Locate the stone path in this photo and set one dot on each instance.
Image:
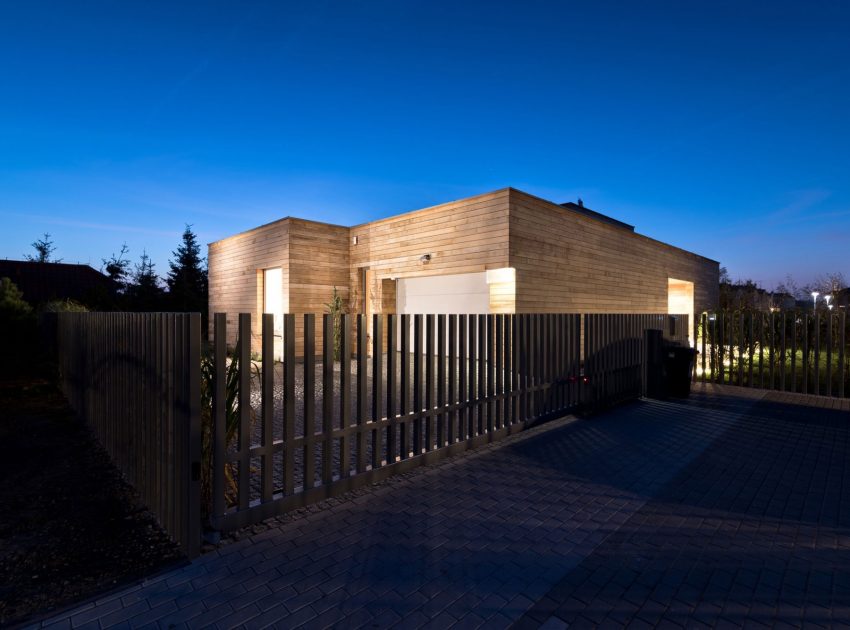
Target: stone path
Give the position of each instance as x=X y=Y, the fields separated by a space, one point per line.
x=729 y=509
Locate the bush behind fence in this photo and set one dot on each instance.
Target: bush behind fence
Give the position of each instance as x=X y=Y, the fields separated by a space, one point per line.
x=794 y=351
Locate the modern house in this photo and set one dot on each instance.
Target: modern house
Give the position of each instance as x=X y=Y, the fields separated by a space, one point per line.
x=500 y=252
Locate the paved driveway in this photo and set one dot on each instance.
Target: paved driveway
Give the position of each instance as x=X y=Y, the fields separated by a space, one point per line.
x=724 y=510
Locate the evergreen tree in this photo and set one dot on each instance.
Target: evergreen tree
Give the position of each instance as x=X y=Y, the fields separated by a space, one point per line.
x=44 y=249
x=144 y=292
x=118 y=268
x=187 y=278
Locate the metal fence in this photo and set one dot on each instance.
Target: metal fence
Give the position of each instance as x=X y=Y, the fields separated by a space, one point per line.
x=299 y=431
x=275 y=435
x=615 y=354
x=795 y=351
x=134 y=378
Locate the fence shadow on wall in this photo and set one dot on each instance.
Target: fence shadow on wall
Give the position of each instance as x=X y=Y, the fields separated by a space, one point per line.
x=134 y=378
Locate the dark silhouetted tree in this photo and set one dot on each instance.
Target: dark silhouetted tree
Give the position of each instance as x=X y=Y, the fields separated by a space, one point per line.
x=118 y=269
x=831 y=283
x=187 y=278
x=786 y=294
x=144 y=293
x=17 y=321
x=12 y=303
x=44 y=249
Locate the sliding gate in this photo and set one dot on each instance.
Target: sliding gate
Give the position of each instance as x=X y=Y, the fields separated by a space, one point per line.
x=403 y=392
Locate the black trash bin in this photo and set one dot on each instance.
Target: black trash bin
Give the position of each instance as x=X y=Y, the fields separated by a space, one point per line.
x=678 y=366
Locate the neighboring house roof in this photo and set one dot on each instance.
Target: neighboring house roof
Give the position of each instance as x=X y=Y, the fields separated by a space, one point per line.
x=41 y=282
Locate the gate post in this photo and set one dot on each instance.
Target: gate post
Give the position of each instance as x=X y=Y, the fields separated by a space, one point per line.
x=194 y=528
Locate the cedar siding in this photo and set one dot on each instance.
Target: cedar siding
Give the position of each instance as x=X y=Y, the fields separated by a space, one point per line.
x=565 y=261
x=236 y=278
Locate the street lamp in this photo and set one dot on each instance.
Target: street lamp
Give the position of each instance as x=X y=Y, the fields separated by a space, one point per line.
x=827 y=298
x=815 y=295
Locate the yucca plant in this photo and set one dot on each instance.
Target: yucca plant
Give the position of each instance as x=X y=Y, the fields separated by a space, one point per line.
x=335 y=308
x=231 y=424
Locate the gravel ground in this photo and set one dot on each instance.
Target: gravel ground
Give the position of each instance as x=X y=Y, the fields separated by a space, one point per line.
x=256 y=403
x=70 y=527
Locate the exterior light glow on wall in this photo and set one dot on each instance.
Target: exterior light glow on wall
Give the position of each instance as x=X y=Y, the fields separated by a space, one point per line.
x=502 y=285
x=501 y=276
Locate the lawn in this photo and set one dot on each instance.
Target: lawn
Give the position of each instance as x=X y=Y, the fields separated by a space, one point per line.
x=786 y=372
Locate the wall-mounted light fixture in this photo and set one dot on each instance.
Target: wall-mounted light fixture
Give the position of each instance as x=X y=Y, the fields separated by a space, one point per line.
x=425 y=258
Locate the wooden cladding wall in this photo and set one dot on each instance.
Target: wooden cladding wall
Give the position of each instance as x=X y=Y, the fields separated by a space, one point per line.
x=567 y=262
x=564 y=261
x=135 y=379
x=313 y=257
x=235 y=272
x=318 y=262
x=465 y=236
x=441 y=384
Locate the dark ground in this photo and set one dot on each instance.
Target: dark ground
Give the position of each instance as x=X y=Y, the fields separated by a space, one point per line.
x=727 y=510
x=70 y=527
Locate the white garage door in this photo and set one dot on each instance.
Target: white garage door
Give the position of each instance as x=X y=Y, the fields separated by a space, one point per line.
x=459 y=293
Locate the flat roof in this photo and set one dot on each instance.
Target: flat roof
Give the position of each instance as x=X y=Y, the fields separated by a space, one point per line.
x=568 y=206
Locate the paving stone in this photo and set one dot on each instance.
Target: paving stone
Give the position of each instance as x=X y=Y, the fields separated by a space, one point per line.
x=725 y=508
x=124 y=614
x=238 y=617
x=93 y=613
x=215 y=613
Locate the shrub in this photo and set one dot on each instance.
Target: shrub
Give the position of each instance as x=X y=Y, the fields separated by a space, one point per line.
x=64 y=306
x=18 y=326
x=12 y=303
x=231 y=425
x=336 y=309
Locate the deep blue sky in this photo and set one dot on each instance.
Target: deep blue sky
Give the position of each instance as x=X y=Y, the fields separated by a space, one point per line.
x=720 y=127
